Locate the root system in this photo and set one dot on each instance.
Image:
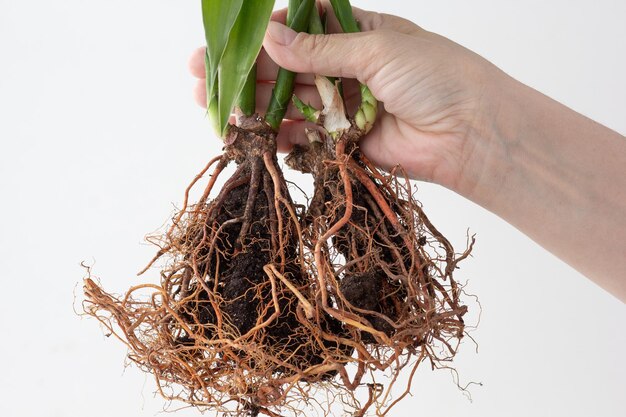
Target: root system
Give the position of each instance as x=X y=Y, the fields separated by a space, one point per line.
x=260 y=304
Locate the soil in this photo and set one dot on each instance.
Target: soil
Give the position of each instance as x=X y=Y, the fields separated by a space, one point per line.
x=213 y=332
x=370 y=291
x=245 y=288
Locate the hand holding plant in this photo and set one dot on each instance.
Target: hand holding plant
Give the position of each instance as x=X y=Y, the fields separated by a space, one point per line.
x=433 y=92
x=261 y=301
x=451 y=117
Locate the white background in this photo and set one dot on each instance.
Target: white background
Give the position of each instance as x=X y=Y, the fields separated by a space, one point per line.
x=99 y=137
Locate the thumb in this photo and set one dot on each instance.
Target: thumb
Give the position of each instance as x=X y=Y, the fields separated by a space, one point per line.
x=352 y=55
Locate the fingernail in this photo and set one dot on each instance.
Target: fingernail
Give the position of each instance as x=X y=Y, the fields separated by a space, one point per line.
x=280 y=33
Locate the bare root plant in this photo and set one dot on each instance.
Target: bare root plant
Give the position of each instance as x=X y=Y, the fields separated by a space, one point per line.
x=265 y=308
x=259 y=305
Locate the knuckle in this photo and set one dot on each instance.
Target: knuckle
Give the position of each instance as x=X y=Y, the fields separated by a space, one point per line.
x=317 y=43
x=377 y=20
x=313 y=49
x=382 y=47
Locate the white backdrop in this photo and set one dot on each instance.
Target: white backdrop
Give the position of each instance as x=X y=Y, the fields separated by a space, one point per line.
x=99 y=137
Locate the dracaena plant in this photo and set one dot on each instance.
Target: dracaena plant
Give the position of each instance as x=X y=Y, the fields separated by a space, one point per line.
x=262 y=304
x=234 y=33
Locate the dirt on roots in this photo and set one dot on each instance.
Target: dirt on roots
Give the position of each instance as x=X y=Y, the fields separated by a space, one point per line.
x=261 y=303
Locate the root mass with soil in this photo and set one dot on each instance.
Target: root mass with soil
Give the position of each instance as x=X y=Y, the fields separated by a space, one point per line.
x=262 y=304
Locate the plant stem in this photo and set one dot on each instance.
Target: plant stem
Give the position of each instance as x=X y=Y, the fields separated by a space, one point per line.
x=366 y=113
x=285 y=79
x=293 y=7
x=309 y=112
x=315 y=23
x=343 y=11
x=317 y=26
x=247 y=98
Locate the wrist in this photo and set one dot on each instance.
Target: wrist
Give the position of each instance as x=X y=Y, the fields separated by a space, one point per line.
x=555 y=175
x=491 y=138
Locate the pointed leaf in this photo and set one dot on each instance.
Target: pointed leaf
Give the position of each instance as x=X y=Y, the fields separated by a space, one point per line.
x=211 y=96
x=218 y=17
x=247 y=98
x=244 y=43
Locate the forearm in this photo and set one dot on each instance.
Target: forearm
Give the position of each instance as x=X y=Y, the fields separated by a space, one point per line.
x=560 y=178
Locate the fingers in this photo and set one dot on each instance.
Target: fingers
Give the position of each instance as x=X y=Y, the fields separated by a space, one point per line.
x=354 y=55
x=279 y=15
x=266 y=68
x=292 y=132
x=369 y=21
x=199 y=93
x=196 y=63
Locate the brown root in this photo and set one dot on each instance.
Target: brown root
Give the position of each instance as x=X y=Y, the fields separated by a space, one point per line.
x=260 y=306
x=230 y=326
x=382 y=268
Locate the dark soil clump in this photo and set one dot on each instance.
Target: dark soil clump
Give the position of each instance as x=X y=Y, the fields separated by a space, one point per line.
x=370 y=292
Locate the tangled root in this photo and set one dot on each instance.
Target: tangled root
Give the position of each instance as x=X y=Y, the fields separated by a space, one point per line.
x=382 y=268
x=260 y=306
x=229 y=322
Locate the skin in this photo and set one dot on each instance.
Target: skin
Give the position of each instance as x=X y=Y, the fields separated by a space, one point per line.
x=449 y=116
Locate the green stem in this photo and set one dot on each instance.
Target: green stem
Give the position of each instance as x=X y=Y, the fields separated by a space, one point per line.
x=366 y=113
x=292 y=9
x=315 y=23
x=247 y=99
x=309 y=112
x=343 y=11
x=317 y=26
x=285 y=80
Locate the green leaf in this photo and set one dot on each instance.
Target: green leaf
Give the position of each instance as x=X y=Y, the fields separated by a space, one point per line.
x=218 y=17
x=243 y=46
x=247 y=98
x=211 y=94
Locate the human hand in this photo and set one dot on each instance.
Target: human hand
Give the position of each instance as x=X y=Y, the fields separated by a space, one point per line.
x=435 y=95
x=451 y=117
